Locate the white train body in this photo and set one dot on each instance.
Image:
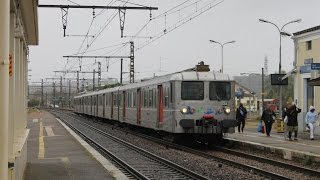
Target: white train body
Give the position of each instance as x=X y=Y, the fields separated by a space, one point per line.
x=185 y=102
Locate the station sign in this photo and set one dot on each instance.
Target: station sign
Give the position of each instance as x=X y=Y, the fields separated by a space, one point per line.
x=315 y=66
x=276 y=79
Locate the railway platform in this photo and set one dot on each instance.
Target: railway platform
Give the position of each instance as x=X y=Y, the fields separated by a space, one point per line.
x=302 y=149
x=56 y=152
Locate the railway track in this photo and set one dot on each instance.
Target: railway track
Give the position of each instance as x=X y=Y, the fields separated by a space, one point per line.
x=257 y=170
x=136 y=162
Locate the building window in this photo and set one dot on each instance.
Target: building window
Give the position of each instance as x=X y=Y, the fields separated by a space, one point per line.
x=309 y=45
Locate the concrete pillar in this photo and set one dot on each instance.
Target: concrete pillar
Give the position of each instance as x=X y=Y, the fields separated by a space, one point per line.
x=20 y=89
x=12 y=103
x=4 y=86
x=25 y=97
x=17 y=86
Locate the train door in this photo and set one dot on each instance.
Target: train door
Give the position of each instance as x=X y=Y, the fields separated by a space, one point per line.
x=124 y=106
x=112 y=104
x=139 y=103
x=160 y=105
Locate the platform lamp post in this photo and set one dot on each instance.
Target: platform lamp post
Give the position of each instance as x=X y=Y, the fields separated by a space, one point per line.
x=222 y=45
x=281 y=33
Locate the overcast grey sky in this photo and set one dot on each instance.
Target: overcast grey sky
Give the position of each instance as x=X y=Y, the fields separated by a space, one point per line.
x=180 y=49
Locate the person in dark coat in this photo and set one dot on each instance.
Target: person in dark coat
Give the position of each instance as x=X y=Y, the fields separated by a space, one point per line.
x=268 y=117
x=292 y=114
x=241 y=116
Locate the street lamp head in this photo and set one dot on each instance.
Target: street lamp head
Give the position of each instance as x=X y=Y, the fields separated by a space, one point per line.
x=283 y=33
x=262 y=20
x=232 y=41
x=213 y=41
x=297 y=20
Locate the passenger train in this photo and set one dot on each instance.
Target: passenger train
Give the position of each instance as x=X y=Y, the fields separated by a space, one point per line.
x=194 y=104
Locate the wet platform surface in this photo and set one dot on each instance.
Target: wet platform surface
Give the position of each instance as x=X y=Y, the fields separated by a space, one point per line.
x=53 y=153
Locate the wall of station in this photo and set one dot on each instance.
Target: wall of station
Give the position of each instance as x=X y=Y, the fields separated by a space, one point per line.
x=18 y=30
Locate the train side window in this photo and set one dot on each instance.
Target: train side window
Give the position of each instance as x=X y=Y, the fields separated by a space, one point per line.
x=166 y=97
x=171 y=92
x=145 y=94
x=115 y=99
x=127 y=99
x=131 y=94
x=154 y=98
x=150 y=98
x=120 y=100
x=134 y=99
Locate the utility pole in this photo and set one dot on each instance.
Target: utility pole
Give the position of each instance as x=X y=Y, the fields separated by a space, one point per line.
x=131 y=62
x=69 y=93
x=99 y=74
x=121 y=71
x=262 y=94
x=46 y=99
x=54 y=95
x=93 y=80
x=41 y=92
x=78 y=82
x=61 y=93
x=121 y=9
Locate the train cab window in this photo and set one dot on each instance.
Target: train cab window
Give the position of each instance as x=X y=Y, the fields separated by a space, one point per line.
x=220 y=91
x=192 y=90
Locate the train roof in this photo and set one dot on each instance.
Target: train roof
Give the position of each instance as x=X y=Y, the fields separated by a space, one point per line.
x=179 y=76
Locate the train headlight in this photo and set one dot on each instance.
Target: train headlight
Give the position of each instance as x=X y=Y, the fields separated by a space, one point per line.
x=227 y=110
x=184 y=110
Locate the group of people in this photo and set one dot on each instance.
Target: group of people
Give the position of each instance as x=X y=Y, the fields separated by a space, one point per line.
x=289 y=115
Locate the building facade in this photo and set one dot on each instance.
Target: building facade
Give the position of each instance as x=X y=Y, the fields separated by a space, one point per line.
x=306 y=79
x=18 y=30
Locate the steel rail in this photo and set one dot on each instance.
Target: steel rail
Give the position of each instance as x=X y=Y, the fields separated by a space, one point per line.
x=152 y=156
x=271 y=161
x=234 y=163
x=208 y=156
x=113 y=157
x=222 y=160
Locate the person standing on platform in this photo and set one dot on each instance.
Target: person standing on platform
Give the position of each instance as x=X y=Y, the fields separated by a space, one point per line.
x=311 y=119
x=268 y=117
x=241 y=117
x=292 y=114
x=285 y=121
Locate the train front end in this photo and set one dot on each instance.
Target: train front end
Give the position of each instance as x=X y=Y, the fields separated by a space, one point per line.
x=206 y=106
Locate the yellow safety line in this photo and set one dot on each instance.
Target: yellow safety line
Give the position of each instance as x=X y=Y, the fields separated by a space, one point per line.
x=41 y=142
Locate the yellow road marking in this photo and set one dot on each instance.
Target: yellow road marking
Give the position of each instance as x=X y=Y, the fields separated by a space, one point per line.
x=41 y=142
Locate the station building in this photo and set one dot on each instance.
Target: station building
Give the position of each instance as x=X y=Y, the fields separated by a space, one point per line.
x=306 y=80
x=18 y=30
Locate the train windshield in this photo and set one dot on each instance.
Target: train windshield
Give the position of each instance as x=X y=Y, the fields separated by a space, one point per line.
x=220 y=91
x=192 y=90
